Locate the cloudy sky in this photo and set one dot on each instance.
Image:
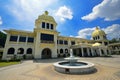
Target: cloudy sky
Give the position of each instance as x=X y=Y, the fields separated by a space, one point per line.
x=76 y=18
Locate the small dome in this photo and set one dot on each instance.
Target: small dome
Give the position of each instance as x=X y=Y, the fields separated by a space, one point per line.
x=46 y=17
x=98 y=32
x=96 y=44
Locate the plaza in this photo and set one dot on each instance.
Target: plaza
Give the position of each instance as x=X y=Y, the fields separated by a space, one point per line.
x=108 y=68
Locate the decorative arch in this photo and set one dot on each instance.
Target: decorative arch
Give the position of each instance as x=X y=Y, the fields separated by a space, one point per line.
x=66 y=50
x=46 y=53
x=20 y=51
x=11 y=51
x=61 y=50
x=29 y=51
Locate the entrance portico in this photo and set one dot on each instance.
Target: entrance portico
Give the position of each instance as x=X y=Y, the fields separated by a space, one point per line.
x=87 y=50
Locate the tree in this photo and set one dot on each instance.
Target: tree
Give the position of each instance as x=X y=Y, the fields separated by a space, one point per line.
x=2 y=39
x=114 y=40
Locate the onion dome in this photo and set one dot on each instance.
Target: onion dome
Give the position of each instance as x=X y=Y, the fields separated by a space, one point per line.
x=98 y=32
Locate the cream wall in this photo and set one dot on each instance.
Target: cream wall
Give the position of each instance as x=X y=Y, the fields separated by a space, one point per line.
x=16 y=46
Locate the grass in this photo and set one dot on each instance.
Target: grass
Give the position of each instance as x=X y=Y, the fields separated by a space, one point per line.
x=3 y=64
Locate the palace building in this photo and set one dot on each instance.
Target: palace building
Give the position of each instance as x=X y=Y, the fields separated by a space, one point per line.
x=45 y=42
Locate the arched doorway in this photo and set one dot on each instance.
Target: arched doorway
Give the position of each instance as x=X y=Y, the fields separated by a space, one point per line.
x=61 y=50
x=46 y=53
x=102 y=52
x=62 y=53
x=29 y=51
x=66 y=50
x=20 y=51
x=11 y=51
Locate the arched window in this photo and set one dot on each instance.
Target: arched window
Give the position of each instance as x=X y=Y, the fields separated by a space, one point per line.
x=11 y=51
x=61 y=50
x=66 y=50
x=29 y=51
x=96 y=37
x=20 y=51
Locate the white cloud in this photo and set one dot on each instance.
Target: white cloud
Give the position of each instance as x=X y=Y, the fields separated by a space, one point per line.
x=28 y=10
x=107 y=9
x=112 y=31
x=84 y=33
x=1 y=21
x=64 y=13
x=71 y=36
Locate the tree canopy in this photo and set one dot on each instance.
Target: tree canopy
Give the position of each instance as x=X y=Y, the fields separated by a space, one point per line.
x=2 y=39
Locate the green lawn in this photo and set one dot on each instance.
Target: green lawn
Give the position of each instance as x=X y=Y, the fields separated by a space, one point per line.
x=2 y=64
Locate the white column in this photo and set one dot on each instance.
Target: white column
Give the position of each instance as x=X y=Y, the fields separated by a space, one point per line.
x=54 y=54
x=109 y=52
x=24 y=51
x=40 y=25
x=69 y=42
x=18 y=38
x=82 y=51
x=50 y=26
x=100 y=52
x=5 y=48
x=88 y=52
x=26 y=40
x=103 y=43
x=92 y=52
x=16 y=50
x=37 y=43
x=105 y=51
x=45 y=25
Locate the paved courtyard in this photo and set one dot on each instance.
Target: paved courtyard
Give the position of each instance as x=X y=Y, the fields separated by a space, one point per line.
x=108 y=68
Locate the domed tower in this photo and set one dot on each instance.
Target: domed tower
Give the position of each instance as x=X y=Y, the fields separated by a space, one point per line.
x=99 y=36
x=45 y=21
x=45 y=36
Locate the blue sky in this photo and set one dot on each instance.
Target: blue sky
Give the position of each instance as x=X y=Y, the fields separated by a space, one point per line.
x=76 y=18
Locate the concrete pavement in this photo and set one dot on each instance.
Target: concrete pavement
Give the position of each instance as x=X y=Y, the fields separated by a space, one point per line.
x=107 y=69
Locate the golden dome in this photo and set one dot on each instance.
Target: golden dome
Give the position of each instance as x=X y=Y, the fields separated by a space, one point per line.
x=96 y=44
x=98 y=32
x=46 y=17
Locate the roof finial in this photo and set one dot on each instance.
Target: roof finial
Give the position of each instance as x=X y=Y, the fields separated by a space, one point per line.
x=46 y=12
x=97 y=28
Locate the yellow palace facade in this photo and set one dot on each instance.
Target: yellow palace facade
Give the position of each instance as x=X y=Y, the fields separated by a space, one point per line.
x=45 y=42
